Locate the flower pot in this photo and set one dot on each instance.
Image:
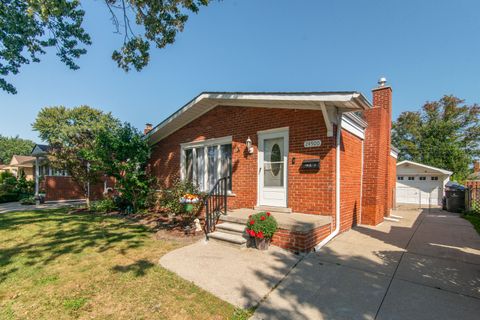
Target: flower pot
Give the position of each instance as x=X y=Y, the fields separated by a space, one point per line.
x=262 y=244
x=188 y=207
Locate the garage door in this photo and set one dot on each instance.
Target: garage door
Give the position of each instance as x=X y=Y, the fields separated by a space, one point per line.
x=426 y=192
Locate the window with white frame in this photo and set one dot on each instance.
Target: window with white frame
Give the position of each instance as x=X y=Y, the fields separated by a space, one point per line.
x=411 y=178
x=422 y=178
x=205 y=162
x=399 y=178
x=434 y=178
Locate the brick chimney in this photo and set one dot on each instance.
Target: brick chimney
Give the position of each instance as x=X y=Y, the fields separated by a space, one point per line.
x=148 y=128
x=376 y=176
x=476 y=166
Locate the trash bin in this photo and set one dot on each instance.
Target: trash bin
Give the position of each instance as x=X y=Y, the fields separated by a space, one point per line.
x=455 y=200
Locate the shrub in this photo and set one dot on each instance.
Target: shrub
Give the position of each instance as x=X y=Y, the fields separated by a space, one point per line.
x=169 y=198
x=4 y=175
x=28 y=201
x=23 y=186
x=261 y=225
x=8 y=184
x=8 y=197
x=103 y=206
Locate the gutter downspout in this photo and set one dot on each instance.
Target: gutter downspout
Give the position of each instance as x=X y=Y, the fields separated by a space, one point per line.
x=337 y=186
x=361 y=181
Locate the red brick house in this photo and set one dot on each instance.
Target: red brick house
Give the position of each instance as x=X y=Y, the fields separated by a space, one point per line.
x=57 y=185
x=321 y=162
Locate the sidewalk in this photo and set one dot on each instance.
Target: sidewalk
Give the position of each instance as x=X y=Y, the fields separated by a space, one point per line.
x=16 y=206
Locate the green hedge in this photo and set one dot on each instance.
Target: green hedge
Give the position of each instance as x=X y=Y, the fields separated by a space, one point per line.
x=8 y=197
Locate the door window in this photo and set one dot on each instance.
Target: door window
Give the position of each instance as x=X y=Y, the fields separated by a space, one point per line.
x=273 y=162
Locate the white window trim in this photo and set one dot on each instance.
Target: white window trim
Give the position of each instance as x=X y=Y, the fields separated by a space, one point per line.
x=203 y=144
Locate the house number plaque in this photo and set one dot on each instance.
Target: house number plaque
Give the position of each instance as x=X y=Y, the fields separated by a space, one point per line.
x=312 y=143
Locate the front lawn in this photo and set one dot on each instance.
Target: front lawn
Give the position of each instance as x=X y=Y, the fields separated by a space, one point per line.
x=55 y=265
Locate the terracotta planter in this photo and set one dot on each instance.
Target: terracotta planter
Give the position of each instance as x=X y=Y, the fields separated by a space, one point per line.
x=262 y=244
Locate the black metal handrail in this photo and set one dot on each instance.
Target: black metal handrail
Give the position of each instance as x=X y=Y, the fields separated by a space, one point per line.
x=215 y=204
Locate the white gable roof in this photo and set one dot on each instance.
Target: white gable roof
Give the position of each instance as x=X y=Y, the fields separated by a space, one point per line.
x=345 y=100
x=424 y=166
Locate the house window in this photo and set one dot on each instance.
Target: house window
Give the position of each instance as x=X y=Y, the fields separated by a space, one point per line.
x=205 y=162
x=411 y=178
x=400 y=178
x=423 y=178
x=434 y=178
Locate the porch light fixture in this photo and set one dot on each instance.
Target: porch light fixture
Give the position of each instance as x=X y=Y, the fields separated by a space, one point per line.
x=249 y=145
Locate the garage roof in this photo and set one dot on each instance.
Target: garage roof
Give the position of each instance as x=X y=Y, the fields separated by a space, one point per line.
x=442 y=171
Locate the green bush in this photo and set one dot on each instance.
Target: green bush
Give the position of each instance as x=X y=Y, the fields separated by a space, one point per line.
x=262 y=225
x=4 y=175
x=8 y=184
x=103 y=206
x=23 y=186
x=28 y=200
x=168 y=199
x=8 y=197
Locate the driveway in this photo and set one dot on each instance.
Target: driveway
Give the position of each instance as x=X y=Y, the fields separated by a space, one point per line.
x=16 y=206
x=426 y=266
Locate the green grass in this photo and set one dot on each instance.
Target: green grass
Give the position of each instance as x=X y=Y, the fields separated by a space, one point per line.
x=474 y=219
x=74 y=303
x=59 y=265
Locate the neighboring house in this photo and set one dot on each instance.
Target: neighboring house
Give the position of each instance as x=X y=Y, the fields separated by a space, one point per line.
x=306 y=154
x=19 y=164
x=56 y=184
x=420 y=184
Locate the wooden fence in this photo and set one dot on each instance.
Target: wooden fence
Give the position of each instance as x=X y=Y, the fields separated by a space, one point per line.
x=472 y=199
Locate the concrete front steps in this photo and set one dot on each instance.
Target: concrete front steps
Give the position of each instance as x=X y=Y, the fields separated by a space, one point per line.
x=231 y=234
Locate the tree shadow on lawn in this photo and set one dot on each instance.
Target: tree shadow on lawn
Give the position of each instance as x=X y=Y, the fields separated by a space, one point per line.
x=138 y=268
x=41 y=237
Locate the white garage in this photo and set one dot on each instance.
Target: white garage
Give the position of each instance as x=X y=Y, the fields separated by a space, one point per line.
x=420 y=184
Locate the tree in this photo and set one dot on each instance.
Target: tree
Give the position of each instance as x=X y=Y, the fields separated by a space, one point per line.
x=14 y=145
x=28 y=27
x=123 y=154
x=71 y=134
x=444 y=134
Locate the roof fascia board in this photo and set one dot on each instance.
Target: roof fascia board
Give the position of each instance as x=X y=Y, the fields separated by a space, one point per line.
x=354 y=100
x=425 y=166
x=352 y=126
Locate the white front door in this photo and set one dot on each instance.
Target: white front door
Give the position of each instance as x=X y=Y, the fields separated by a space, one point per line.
x=272 y=168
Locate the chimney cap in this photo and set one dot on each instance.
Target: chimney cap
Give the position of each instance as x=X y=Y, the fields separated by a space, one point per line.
x=382 y=81
x=148 y=128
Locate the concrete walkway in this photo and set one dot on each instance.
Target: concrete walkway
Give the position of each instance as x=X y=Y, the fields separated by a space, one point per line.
x=240 y=276
x=427 y=266
x=16 y=206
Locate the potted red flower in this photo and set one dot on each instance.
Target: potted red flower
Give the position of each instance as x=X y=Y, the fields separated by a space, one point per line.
x=261 y=227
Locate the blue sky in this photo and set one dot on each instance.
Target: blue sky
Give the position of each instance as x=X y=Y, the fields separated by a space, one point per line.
x=425 y=48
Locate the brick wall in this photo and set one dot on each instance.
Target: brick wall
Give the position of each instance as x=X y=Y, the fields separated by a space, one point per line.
x=298 y=241
x=308 y=192
x=376 y=158
x=350 y=180
x=64 y=188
